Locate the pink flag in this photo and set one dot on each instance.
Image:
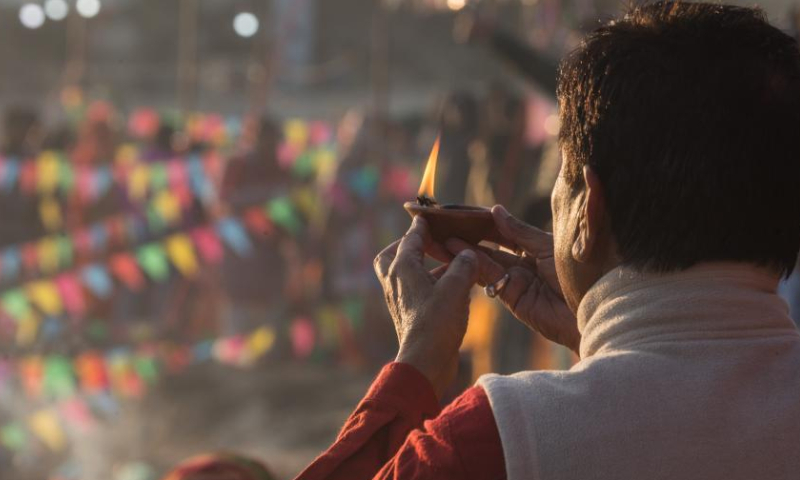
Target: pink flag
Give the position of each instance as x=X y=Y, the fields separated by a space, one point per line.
x=208 y=244
x=71 y=294
x=303 y=337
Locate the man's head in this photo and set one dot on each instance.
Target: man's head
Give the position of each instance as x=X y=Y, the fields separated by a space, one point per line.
x=680 y=131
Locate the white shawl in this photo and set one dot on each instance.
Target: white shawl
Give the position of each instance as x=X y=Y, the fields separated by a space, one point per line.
x=691 y=375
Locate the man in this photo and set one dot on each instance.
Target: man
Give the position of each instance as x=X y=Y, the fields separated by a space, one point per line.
x=675 y=214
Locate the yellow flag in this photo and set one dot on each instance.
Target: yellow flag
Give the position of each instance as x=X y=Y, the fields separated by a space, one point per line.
x=27 y=330
x=49 y=258
x=259 y=343
x=45 y=425
x=47 y=170
x=296 y=132
x=126 y=155
x=168 y=206
x=181 y=252
x=44 y=294
x=138 y=181
x=50 y=213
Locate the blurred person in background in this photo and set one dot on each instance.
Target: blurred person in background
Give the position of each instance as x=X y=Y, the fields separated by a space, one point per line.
x=21 y=141
x=669 y=240
x=254 y=286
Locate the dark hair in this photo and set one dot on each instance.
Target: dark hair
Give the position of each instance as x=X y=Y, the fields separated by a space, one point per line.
x=689 y=113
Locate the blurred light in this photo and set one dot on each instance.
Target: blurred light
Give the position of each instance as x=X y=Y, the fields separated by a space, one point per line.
x=88 y=8
x=245 y=24
x=56 y=9
x=552 y=124
x=456 y=5
x=31 y=15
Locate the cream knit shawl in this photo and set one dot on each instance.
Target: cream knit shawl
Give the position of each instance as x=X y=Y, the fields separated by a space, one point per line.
x=692 y=375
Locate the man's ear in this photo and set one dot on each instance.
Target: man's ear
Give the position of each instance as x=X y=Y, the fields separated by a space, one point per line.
x=591 y=217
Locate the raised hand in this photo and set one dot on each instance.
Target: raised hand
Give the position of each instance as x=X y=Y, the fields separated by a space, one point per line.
x=532 y=293
x=429 y=309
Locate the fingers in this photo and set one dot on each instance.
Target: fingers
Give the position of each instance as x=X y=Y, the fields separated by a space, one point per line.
x=520 y=234
x=439 y=271
x=489 y=271
x=384 y=260
x=411 y=251
x=461 y=275
x=520 y=279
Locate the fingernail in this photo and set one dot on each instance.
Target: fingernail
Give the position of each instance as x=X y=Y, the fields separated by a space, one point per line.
x=502 y=210
x=468 y=255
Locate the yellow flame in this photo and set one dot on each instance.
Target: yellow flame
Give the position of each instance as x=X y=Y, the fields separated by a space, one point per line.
x=429 y=177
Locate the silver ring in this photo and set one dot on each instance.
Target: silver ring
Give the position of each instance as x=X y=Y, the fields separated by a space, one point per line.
x=494 y=289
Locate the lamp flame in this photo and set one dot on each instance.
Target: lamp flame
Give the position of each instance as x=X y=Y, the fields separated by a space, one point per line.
x=428 y=178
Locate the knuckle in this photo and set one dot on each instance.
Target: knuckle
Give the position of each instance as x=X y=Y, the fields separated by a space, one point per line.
x=394 y=270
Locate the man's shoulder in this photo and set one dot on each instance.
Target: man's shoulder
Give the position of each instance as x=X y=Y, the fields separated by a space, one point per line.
x=586 y=378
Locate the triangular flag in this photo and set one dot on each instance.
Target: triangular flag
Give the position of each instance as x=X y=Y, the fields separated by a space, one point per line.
x=176 y=172
x=124 y=267
x=44 y=294
x=10 y=171
x=66 y=175
x=27 y=330
x=13 y=436
x=282 y=212
x=65 y=250
x=147 y=367
x=181 y=253
x=103 y=179
x=159 y=180
x=71 y=294
x=48 y=253
x=320 y=132
x=47 y=172
x=303 y=337
x=257 y=221
x=50 y=214
x=31 y=373
x=168 y=206
x=96 y=279
x=59 y=381
x=11 y=262
x=153 y=261
x=91 y=370
x=45 y=425
x=234 y=235
x=138 y=181
x=15 y=304
x=259 y=343
x=296 y=133
x=208 y=244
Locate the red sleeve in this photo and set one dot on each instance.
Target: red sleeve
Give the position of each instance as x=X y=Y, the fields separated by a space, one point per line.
x=387 y=437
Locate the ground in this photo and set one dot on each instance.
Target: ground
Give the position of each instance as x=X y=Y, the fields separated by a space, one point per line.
x=283 y=414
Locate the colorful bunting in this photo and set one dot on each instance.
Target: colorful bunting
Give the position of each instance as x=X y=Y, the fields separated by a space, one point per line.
x=45 y=425
x=153 y=261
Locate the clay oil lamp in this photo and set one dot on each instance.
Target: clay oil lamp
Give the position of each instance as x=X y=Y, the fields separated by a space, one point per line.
x=469 y=223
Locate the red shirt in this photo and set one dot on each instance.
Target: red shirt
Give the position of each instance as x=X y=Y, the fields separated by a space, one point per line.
x=398 y=431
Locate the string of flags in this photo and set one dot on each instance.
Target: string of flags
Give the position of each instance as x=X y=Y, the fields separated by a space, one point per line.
x=68 y=394
x=58 y=277
x=66 y=293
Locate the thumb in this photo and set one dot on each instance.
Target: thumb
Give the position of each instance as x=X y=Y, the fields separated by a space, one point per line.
x=461 y=274
x=523 y=235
